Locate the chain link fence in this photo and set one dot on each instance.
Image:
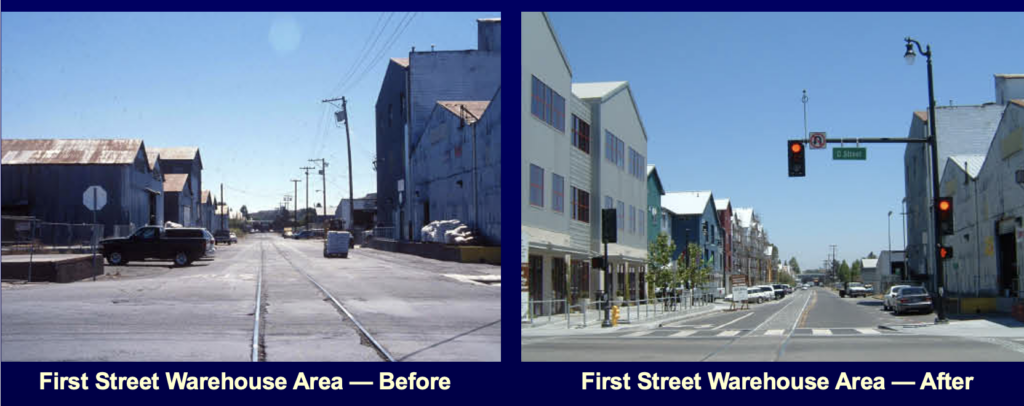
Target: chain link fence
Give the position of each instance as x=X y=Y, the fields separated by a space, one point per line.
x=22 y=239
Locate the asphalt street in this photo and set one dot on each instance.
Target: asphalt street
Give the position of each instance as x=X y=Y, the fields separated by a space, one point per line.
x=417 y=309
x=809 y=325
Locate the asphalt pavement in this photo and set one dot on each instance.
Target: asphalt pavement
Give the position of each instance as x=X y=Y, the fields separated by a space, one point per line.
x=416 y=309
x=809 y=325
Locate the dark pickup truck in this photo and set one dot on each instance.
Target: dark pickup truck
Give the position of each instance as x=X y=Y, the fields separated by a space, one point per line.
x=183 y=245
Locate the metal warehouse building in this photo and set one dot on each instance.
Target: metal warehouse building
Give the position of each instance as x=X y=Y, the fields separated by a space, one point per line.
x=46 y=178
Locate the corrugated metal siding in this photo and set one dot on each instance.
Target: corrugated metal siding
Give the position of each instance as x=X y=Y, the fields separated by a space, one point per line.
x=581 y=175
x=450 y=75
x=443 y=158
x=390 y=142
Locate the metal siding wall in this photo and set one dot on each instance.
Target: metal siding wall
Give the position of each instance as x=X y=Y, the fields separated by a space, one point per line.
x=450 y=75
x=390 y=143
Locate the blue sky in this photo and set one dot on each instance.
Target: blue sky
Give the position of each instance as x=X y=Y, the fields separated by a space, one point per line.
x=720 y=94
x=243 y=87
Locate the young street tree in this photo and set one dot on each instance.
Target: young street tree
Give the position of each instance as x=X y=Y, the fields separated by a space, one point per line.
x=844 y=272
x=793 y=265
x=693 y=271
x=659 y=263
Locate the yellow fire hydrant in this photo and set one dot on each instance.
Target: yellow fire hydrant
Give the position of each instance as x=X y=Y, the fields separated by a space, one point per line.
x=615 y=315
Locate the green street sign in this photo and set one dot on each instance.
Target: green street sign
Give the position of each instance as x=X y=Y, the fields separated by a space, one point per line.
x=850 y=154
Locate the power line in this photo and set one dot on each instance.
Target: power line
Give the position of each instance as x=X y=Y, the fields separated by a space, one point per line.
x=387 y=47
x=367 y=49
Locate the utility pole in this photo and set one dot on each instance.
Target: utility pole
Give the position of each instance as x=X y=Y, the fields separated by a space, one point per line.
x=343 y=115
x=306 y=214
x=295 y=213
x=223 y=208
x=323 y=176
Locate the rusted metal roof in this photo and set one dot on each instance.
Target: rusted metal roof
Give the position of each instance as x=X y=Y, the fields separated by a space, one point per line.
x=152 y=157
x=206 y=198
x=403 y=62
x=69 y=151
x=922 y=115
x=1018 y=102
x=175 y=182
x=176 y=153
x=476 y=108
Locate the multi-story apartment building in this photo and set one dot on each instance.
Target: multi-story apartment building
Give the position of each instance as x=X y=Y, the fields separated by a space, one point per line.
x=695 y=221
x=749 y=245
x=582 y=145
x=654 y=213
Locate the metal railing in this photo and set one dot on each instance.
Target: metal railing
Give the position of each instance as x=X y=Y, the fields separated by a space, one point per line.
x=630 y=311
x=384 y=233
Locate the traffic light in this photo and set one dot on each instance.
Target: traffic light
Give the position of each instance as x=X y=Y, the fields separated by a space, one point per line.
x=796 y=158
x=609 y=223
x=945 y=207
x=945 y=252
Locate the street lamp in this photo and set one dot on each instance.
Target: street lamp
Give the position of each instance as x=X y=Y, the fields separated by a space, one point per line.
x=889 y=224
x=909 y=56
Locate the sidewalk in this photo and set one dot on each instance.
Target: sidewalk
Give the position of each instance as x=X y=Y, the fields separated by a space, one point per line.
x=995 y=326
x=558 y=325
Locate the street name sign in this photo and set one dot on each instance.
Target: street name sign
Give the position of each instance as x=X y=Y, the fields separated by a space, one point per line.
x=817 y=140
x=94 y=198
x=849 y=154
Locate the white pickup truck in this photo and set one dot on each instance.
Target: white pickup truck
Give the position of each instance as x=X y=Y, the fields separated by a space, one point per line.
x=853 y=289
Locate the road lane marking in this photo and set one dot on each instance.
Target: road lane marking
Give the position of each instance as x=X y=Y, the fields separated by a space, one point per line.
x=737 y=319
x=639 y=333
x=684 y=333
x=868 y=331
x=774 y=332
x=728 y=333
x=821 y=332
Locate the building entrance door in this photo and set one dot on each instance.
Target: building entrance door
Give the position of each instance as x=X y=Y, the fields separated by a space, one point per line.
x=1007 y=265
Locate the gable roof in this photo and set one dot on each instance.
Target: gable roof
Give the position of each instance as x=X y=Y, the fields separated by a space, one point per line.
x=476 y=108
x=1018 y=102
x=744 y=216
x=687 y=203
x=70 y=151
x=179 y=154
x=205 y=199
x=722 y=204
x=175 y=182
x=964 y=130
x=403 y=62
x=969 y=163
x=603 y=91
x=651 y=171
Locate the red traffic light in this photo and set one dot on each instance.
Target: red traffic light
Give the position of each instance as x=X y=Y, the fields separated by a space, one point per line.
x=944 y=204
x=796 y=147
x=945 y=252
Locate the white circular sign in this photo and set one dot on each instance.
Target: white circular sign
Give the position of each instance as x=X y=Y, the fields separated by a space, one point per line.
x=817 y=140
x=94 y=198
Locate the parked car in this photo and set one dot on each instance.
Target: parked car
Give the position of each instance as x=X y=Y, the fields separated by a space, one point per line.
x=183 y=245
x=852 y=289
x=301 y=235
x=789 y=289
x=222 y=237
x=210 y=243
x=890 y=298
x=912 y=299
x=234 y=238
x=804 y=287
x=780 y=291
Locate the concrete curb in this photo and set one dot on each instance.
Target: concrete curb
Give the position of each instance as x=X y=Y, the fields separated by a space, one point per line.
x=576 y=330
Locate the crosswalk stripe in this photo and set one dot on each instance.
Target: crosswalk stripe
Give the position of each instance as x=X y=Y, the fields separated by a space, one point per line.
x=868 y=331
x=684 y=333
x=821 y=332
x=728 y=333
x=774 y=332
x=638 y=334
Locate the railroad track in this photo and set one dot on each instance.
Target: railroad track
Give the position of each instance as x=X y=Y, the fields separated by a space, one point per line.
x=258 y=353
